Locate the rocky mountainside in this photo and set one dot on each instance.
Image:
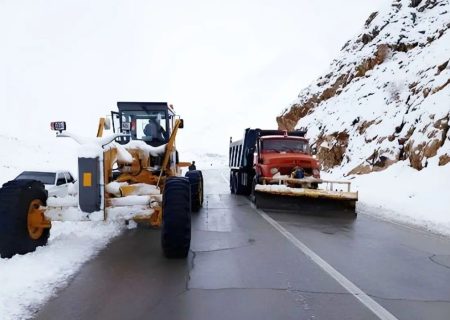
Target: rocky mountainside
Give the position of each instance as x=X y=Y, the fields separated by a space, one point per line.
x=387 y=96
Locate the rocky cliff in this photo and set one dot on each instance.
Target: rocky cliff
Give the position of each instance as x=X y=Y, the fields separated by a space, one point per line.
x=386 y=97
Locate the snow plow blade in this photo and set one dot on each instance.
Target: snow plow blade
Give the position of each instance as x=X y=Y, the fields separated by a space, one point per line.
x=307 y=201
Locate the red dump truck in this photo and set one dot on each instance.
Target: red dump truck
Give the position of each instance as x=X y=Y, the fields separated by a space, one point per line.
x=273 y=164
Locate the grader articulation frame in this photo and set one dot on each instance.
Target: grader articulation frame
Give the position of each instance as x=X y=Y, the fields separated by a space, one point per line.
x=137 y=177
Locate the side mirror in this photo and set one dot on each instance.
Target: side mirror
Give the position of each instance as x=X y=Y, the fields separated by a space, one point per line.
x=181 y=126
x=314 y=151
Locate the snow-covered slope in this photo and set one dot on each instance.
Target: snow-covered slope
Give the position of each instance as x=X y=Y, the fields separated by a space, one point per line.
x=386 y=96
x=385 y=105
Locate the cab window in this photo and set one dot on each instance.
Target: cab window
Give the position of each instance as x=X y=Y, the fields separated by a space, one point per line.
x=60 y=180
x=69 y=177
x=285 y=145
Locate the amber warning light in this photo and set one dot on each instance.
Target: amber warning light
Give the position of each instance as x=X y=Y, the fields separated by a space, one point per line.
x=58 y=126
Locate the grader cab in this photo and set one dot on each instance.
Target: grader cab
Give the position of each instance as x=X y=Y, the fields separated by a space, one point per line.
x=133 y=174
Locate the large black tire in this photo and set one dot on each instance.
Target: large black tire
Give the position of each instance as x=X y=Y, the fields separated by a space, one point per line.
x=232 y=183
x=176 y=224
x=196 y=181
x=15 y=199
x=239 y=188
x=253 y=192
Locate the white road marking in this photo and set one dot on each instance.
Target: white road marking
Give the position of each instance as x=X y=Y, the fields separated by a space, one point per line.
x=377 y=309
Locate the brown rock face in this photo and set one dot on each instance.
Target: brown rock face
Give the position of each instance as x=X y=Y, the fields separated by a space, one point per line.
x=369 y=64
x=361 y=169
x=444 y=159
x=364 y=126
x=289 y=120
x=369 y=20
x=331 y=149
x=417 y=154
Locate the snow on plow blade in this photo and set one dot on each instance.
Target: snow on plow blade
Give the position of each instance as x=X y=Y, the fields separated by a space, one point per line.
x=285 y=196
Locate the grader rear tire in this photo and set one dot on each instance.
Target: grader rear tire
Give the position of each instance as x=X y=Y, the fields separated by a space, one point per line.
x=18 y=200
x=196 y=181
x=176 y=224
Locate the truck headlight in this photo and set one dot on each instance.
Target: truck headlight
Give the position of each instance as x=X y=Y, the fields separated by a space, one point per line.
x=273 y=171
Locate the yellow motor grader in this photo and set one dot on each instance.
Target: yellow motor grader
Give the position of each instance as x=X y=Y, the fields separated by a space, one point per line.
x=132 y=175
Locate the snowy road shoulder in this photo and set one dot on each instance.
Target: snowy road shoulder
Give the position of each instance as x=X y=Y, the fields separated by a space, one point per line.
x=404 y=195
x=29 y=280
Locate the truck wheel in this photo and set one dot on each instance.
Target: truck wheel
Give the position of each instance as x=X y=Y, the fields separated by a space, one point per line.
x=252 y=193
x=239 y=188
x=20 y=201
x=196 y=181
x=232 y=183
x=176 y=219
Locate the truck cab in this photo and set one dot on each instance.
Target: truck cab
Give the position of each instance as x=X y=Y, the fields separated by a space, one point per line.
x=282 y=154
x=265 y=153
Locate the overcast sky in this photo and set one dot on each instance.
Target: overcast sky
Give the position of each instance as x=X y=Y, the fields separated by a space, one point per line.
x=225 y=65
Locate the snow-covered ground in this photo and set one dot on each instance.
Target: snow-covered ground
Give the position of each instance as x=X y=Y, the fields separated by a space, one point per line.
x=405 y=195
x=29 y=280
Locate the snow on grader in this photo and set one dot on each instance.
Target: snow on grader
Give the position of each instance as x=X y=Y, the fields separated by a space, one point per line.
x=132 y=175
x=277 y=170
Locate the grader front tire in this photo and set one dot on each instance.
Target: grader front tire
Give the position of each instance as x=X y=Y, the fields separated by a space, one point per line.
x=19 y=209
x=176 y=225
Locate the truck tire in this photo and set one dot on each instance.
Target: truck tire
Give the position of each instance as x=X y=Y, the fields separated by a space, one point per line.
x=176 y=219
x=240 y=188
x=17 y=199
x=232 y=183
x=196 y=181
x=253 y=192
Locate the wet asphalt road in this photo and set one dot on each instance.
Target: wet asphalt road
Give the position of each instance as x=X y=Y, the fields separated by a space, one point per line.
x=241 y=267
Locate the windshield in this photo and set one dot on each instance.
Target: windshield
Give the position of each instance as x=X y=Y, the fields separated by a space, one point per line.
x=147 y=126
x=285 y=145
x=44 y=177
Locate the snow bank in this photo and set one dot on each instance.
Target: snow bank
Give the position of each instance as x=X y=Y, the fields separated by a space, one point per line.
x=28 y=281
x=403 y=194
